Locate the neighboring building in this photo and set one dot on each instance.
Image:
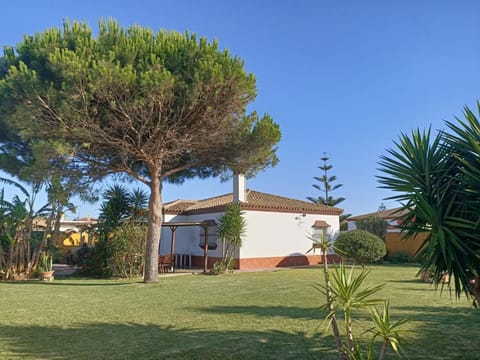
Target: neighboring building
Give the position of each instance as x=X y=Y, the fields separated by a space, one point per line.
x=277 y=228
x=74 y=234
x=395 y=240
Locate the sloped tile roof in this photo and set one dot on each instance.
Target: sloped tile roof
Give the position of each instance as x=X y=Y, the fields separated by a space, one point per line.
x=178 y=206
x=385 y=214
x=255 y=201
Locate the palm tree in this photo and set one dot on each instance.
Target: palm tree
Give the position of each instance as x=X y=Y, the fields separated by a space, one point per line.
x=138 y=200
x=121 y=204
x=436 y=179
x=17 y=217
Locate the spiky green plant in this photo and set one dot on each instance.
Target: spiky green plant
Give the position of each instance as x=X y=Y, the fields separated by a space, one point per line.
x=387 y=330
x=46 y=262
x=348 y=294
x=437 y=180
x=231 y=230
x=324 y=243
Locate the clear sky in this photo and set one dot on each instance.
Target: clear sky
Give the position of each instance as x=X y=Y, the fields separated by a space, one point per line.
x=341 y=77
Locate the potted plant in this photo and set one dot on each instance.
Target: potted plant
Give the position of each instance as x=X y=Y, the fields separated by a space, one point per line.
x=46 y=267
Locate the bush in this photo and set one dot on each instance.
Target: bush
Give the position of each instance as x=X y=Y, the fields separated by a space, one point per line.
x=90 y=260
x=125 y=251
x=360 y=246
x=119 y=253
x=374 y=225
x=219 y=268
x=400 y=257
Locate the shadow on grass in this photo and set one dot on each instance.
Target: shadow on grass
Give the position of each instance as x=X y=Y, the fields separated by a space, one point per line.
x=441 y=313
x=291 y=312
x=442 y=332
x=151 y=341
x=71 y=282
x=411 y=281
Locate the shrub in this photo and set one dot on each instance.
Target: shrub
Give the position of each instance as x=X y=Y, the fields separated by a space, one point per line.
x=221 y=267
x=119 y=253
x=400 y=257
x=218 y=268
x=89 y=260
x=125 y=251
x=374 y=225
x=361 y=246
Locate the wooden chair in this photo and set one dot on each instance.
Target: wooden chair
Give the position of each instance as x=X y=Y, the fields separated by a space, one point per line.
x=165 y=263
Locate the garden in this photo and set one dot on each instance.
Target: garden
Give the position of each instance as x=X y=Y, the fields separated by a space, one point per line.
x=245 y=315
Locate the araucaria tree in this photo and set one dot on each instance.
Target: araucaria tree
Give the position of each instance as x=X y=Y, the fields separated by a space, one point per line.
x=326 y=186
x=437 y=180
x=150 y=106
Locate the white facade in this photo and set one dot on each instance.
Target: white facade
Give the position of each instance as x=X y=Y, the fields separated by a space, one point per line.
x=268 y=234
x=271 y=234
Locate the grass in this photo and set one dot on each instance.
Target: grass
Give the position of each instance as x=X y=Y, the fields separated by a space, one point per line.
x=256 y=315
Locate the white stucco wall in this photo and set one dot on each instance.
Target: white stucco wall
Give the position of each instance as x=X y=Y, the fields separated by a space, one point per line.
x=281 y=234
x=351 y=225
x=268 y=234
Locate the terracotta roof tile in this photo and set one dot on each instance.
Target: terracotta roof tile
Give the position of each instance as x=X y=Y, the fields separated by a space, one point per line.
x=385 y=214
x=255 y=201
x=178 y=206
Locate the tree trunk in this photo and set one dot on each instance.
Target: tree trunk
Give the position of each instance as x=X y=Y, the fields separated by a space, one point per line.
x=381 y=355
x=349 y=331
x=328 y=286
x=154 y=230
x=475 y=291
x=43 y=243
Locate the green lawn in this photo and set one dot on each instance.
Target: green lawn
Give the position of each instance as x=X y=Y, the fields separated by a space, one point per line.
x=255 y=315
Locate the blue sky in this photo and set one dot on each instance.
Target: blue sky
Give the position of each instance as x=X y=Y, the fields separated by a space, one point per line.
x=341 y=77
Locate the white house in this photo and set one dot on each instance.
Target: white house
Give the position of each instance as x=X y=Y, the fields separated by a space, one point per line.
x=276 y=233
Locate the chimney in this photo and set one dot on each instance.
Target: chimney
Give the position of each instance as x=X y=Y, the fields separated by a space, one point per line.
x=239 y=188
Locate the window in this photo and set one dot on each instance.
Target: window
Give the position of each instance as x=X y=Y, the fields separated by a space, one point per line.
x=319 y=232
x=212 y=236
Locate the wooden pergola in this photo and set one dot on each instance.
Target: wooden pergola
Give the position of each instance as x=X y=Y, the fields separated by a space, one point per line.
x=203 y=224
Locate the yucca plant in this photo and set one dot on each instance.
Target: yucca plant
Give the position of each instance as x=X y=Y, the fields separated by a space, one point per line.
x=348 y=293
x=324 y=243
x=387 y=330
x=437 y=180
x=231 y=230
x=344 y=291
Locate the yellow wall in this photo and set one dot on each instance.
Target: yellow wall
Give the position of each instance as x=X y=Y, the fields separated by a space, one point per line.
x=396 y=243
x=74 y=239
